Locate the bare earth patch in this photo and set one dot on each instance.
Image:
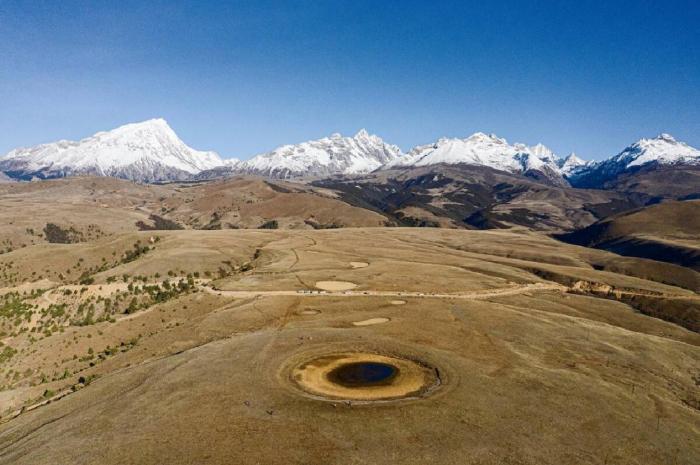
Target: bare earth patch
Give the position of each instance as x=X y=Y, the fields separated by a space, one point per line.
x=359 y=264
x=29 y=286
x=309 y=312
x=397 y=302
x=335 y=285
x=371 y=321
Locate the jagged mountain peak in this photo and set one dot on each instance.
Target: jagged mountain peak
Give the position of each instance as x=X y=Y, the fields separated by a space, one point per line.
x=664 y=149
x=148 y=129
x=573 y=158
x=543 y=153
x=481 y=149
x=144 y=151
x=666 y=136
x=661 y=150
x=336 y=154
x=482 y=137
x=570 y=164
x=365 y=137
x=160 y=123
x=362 y=134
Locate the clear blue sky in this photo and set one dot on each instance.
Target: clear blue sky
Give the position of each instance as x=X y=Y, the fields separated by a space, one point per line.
x=244 y=77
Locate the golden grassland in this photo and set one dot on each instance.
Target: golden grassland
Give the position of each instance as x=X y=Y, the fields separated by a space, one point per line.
x=179 y=347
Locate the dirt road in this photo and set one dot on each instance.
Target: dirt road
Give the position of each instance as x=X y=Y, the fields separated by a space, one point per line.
x=487 y=293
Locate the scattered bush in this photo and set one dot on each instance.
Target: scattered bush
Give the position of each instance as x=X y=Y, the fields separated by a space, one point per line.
x=159 y=224
x=57 y=235
x=272 y=224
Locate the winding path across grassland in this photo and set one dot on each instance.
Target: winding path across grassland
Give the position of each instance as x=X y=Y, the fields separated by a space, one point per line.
x=487 y=293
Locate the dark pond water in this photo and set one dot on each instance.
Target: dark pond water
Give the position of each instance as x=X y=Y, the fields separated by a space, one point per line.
x=360 y=374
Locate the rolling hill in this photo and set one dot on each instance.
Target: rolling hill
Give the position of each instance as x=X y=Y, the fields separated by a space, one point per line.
x=668 y=232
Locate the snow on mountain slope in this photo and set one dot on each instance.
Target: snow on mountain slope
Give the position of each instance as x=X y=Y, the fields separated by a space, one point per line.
x=485 y=150
x=571 y=164
x=336 y=154
x=147 y=151
x=151 y=151
x=230 y=167
x=662 y=150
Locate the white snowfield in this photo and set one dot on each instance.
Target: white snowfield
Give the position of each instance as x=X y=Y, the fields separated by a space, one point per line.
x=336 y=154
x=151 y=151
x=662 y=150
x=572 y=163
x=146 y=151
x=488 y=150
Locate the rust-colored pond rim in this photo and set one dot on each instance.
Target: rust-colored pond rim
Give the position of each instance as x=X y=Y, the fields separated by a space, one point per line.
x=365 y=377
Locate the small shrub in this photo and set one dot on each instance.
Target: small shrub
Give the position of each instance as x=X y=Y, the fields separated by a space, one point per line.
x=272 y=224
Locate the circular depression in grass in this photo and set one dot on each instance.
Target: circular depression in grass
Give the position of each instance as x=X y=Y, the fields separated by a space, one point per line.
x=365 y=377
x=362 y=374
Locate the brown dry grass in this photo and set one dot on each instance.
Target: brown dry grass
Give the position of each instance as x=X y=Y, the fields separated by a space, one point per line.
x=536 y=377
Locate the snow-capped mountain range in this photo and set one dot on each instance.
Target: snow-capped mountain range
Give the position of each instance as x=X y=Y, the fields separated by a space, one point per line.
x=489 y=150
x=662 y=150
x=151 y=151
x=336 y=154
x=147 y=151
